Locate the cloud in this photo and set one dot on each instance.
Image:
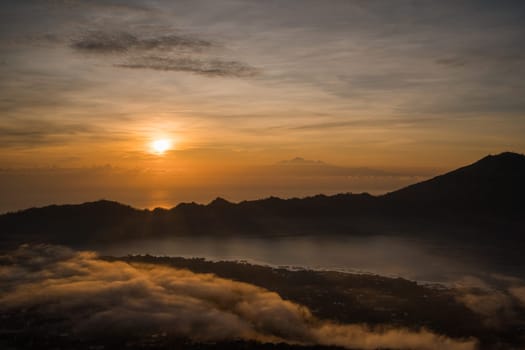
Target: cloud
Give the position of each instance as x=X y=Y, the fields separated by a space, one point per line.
x=365 y=123
x=100 y=297
x=103 y=5
x=34 y=133
x=495 y=306
x=494 y=297
x=299 y=166
x=161 y=53
x=452 y=61
x=213 y=67
x=101 y=42
x=519 y=294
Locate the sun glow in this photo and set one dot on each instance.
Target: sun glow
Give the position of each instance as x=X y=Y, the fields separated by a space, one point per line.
x=160 y=146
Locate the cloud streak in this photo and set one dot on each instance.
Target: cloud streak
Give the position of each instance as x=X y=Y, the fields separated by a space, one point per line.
x=171 y=52
x=210 y=68
x=34 y=133
x=101 y=297
x=100 y=42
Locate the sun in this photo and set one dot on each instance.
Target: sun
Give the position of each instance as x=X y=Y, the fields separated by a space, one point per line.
x=160 y=146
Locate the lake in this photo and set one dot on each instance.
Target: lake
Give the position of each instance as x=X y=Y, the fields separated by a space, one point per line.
x=416 y=259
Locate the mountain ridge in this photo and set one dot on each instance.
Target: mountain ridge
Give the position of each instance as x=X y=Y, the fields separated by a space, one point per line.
x=495 y=182
x=485 y=195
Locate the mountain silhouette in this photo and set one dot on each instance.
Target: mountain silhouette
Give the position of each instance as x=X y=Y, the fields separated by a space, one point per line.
x=495 y=183
x=473 y=201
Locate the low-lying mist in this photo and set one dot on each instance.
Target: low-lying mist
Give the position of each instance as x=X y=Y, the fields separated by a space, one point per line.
x=93 y=297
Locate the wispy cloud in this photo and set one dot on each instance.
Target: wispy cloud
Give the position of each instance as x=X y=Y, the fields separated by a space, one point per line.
x=212 y=67
x=119 y=42
x=452 y=61
x=33 y=133
x=38 y=133
x=173 y=52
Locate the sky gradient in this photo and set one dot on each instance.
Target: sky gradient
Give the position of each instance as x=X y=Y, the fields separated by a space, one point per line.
x=410 y=88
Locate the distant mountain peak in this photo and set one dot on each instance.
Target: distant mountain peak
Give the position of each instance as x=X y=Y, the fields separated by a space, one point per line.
x=502 y=164
x=508 y=154
x=503 y=157
x=104 y=202
x=219 y=201
x=495 y=181
x=301 y=161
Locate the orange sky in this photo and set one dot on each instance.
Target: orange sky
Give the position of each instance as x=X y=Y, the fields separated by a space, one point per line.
x=238 y=87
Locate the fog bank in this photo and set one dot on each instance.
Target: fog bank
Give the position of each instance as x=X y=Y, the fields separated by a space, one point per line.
x=94 y=297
